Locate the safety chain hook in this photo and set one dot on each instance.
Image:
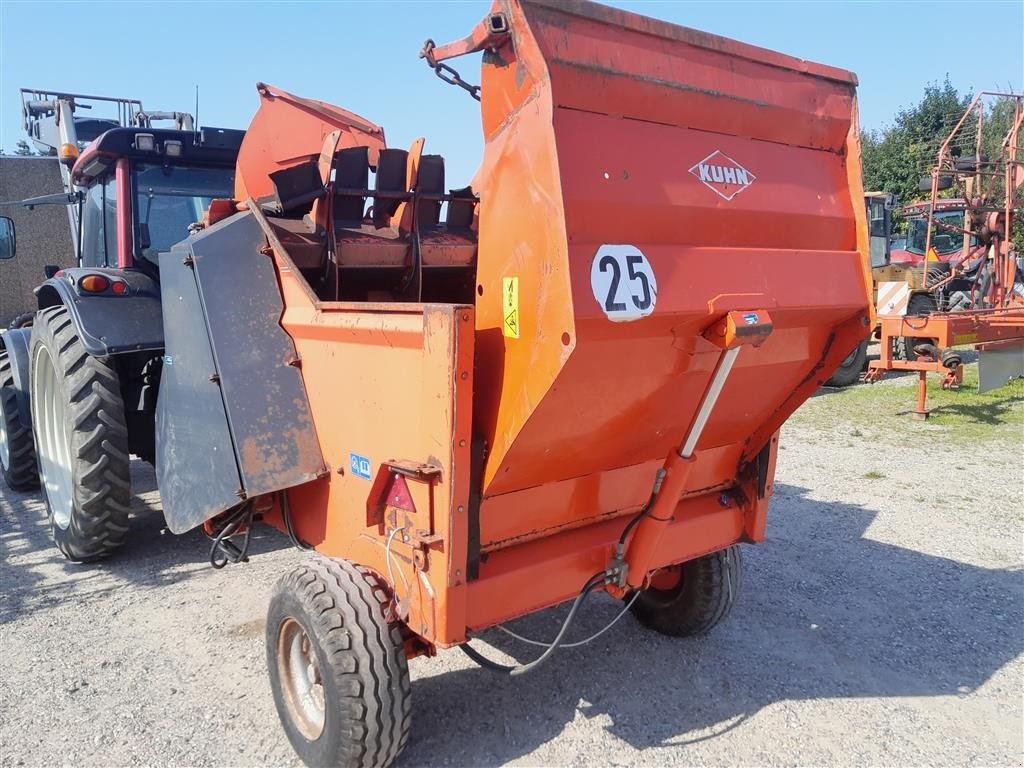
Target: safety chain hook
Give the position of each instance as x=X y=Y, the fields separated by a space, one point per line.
x=446 y=73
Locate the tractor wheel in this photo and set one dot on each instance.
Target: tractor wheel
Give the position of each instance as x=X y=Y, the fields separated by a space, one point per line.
x=338 y=667
x=903 y=346
x=81 y=440
x=692 y=598
x=17 y=450
x=849 y=371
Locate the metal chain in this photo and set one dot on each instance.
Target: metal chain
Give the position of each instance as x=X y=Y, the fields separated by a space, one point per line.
x=453 y=78
x=446 y=73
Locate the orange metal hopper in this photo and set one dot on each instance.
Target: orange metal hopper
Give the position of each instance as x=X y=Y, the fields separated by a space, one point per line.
x=670 y=257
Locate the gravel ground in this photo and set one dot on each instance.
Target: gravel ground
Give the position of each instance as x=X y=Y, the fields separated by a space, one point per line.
x=882 y=623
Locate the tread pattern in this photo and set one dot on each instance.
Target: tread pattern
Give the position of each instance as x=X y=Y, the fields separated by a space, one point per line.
x=849 y=373
x=705 y=596
x=99 y=441
x=23 y=473
x=354 y=625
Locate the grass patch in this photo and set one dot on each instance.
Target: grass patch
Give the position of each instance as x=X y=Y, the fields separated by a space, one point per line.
x=874 y=475
x=963 y=415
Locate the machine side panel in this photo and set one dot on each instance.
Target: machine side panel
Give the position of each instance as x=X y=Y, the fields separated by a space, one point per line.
x=195 y=460
x=265 y=400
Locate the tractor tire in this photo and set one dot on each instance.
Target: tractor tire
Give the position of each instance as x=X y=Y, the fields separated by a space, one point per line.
x=903 y=346
x=703 y=596
x=17 y=449
x=337 y=663
x=851 y=368
x=81 y=440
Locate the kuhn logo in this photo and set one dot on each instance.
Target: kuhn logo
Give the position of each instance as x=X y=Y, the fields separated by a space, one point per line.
x=723 y=175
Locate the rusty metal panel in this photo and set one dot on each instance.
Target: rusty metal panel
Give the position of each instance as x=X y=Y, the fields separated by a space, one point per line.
x=254 y=367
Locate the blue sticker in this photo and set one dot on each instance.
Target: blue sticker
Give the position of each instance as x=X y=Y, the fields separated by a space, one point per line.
x=168 y=360
x=360 y=465
x=750 y=319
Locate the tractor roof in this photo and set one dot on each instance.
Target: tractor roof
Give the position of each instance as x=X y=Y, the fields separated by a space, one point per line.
x=207 y=146
x=914 y=210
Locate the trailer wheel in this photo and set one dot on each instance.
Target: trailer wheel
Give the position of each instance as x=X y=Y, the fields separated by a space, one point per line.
x=903 y=346
x=81 y=440
x=17 y=449
x=692 y=598
x=849 y=371
x=338 y=668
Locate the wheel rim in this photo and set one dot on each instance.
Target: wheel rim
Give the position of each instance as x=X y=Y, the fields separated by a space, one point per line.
x=53 y=443
x=301 y=684
x=665 y=583
x=5 y=449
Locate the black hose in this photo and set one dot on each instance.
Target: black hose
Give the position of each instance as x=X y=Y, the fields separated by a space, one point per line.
x=224 y=550
x=286 y=514
x=592 y=583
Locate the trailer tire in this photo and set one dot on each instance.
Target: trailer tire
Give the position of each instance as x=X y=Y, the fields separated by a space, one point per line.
x=332 y=622
x=851 y=368
x=702 y=598
x=17 y=449
x=903 y=346
x=81 y=440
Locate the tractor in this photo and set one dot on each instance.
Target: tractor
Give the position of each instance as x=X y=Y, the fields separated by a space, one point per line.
x=132 y=191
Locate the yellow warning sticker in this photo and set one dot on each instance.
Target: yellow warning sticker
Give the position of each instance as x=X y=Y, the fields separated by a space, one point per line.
x=510 y=306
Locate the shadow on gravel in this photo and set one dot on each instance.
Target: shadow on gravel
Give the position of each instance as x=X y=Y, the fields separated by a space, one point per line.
x=151 y=558
x=825 y=613
x=977 y=413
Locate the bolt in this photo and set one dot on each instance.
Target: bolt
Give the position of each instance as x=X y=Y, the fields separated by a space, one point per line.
x=462 y=509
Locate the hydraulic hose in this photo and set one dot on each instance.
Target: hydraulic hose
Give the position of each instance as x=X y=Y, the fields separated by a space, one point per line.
x=514 y=671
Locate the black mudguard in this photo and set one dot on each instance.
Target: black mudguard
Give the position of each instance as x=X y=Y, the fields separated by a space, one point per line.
x=109 y=324
x=15 y=341
x=232 y=417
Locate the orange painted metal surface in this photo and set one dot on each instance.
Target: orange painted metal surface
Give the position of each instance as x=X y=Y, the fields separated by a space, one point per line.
x=288 y=130
x=718 y=181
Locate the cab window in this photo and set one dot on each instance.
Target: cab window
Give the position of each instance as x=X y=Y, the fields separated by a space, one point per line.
x=99 y=225
x=170 y=198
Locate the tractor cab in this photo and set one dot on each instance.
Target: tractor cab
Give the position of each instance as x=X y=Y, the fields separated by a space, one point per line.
x=141 y=190
x=948 y=239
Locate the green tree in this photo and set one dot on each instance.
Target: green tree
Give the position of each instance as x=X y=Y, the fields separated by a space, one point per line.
x=22 y=148
x=896 y=159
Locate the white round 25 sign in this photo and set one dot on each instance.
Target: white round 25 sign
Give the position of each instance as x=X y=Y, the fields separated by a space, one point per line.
x=623 y=282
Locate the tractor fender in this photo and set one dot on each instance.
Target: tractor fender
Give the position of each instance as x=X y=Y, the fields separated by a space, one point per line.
x=109 y=323
x=15 y=342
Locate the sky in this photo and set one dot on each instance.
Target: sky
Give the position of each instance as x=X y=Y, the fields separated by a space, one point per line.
x=363 y=56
